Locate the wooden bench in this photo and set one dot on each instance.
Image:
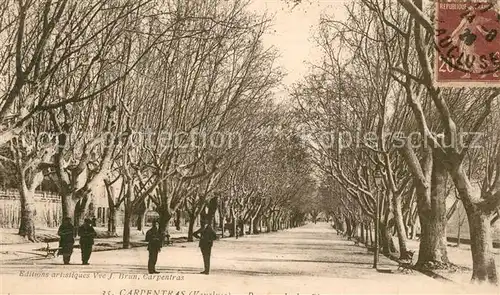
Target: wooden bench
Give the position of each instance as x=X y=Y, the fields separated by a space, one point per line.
x=51 y=252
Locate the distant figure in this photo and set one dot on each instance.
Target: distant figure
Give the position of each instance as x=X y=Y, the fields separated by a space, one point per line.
x=66 y=232
x=155 y=241
x=207 y=236
x=87 y=235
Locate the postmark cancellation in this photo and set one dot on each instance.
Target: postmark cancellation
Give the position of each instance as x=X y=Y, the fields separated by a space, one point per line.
x=467 y=43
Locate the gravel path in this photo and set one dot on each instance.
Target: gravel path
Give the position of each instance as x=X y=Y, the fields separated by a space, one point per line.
x=307 y=260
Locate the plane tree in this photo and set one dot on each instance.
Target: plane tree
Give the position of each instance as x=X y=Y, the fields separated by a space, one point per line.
x=456 y=111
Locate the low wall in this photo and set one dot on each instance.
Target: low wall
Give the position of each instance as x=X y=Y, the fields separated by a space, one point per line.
x=47 y=213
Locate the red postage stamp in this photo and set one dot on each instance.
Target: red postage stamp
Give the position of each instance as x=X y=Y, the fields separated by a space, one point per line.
x=467 y=43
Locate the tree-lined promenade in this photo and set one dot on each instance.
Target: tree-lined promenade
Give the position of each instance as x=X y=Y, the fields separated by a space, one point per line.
x=171 y=105
x=375 y=84
x=151 y=104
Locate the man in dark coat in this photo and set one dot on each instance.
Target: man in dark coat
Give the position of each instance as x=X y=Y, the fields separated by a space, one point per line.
x=66 y=232
x=155 y=242
x=207 y=236
x=87 y=235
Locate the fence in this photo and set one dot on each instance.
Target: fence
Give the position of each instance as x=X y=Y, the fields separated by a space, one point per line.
x=48 y=211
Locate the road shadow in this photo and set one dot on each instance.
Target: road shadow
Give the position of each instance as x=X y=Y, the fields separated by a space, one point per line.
x=313 y=261
x=306 y=246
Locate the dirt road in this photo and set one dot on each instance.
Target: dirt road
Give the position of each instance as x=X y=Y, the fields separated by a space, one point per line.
x=307 y=260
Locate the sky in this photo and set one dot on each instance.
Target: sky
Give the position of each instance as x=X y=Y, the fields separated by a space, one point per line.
x=292 y=33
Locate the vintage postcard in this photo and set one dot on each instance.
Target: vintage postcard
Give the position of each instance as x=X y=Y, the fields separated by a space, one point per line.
x=218 y=147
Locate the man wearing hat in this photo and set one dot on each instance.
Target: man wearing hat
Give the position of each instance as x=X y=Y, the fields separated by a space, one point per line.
x=87 y=235
x=155 y=242
x=206 y=235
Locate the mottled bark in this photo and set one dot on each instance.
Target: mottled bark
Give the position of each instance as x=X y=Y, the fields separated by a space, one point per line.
x=27 y=226
x=68 y=206
x=400 y=226
x=433 y=220
x=483 y=263
x=483 y=260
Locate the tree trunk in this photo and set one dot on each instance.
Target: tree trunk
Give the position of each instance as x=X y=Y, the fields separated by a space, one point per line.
x=141 y=216
x=275 y=222
x=400 y=226
x=163 y=221
x=386 y=239
x=235 y=226
x=178 y=219
x=68 y=206
x=414 y=229
x=80 y=210
x=483 y=261
x=112 y=210
x=362 y=233
x=143 y=220
x=27 y=226
x=138 y=221
x=406 y=220
x=128 y=216
x=222 y=220
x=367 y=237
x=432 y=241
x=242 y=227
x=192 y=220
x=432 y=248
x=126 y=226
x=256 y=225
x=112 y=217
x=371 y=234
x=251 y=226
x=349 y=228
x=212 y=208
x=459 y=225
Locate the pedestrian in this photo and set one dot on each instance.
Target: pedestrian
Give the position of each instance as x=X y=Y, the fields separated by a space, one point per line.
x=207 y=236
x=66 y=232
x=87 y=235
x=155 y=242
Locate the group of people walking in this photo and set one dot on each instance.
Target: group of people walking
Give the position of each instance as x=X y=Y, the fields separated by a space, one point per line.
x=66 y=233
x=154 y=237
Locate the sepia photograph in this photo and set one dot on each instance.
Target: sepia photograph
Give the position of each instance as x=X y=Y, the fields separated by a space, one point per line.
x=219 y=147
